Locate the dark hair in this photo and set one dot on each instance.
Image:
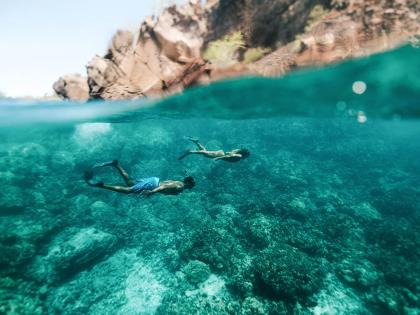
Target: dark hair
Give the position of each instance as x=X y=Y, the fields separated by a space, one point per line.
x=244 y=152
x=189 y=182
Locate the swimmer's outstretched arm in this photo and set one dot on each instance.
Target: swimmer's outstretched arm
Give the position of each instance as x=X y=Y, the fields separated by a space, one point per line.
x=154 y=191
x=227 y=157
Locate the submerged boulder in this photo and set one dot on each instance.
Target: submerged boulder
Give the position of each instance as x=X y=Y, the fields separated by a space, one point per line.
x=122 y=284
x=196 y=271
x=11 y=200
x=359 y=273
x=21 y=237
x=285 y=273
x=71 y=252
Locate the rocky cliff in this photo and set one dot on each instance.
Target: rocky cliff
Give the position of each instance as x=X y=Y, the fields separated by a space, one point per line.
x=194 y=44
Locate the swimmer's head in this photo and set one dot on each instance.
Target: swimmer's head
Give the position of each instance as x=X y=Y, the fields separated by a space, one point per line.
x=244 y=152
x=189 y=182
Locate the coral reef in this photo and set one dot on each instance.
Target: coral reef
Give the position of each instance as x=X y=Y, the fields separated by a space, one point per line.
x=310 y=223
x=70 y=253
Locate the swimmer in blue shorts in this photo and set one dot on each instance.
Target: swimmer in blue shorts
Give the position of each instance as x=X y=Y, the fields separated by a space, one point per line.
x=144 y=186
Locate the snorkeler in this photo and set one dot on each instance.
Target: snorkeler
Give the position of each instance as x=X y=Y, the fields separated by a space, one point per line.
x=144 y=186
x=231 y=156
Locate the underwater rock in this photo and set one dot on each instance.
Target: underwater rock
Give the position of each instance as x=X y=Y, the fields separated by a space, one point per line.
x=196 y=271
x=253 y=306
x=143 y=291
x=15 y=253
x=394 y=251
x=388 y=301
x=62 y=159
x=7 y=177
x=251 y=238
x=303 y=237
x=22 y=236
x=212 y=246
x=211 y=297
x=11 y=200
x=283 y=272
x=72 y=251
x=359 y=273
x=365 y=212
x=102 y=213
x=19 y=297
x=122 y=284
x=81 y=204
x=27 y=160
x=260 y=231
x=335 y=298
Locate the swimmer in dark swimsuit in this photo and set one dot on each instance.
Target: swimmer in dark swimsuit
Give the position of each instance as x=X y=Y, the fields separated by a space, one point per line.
x=144 y=186
x=231 y=156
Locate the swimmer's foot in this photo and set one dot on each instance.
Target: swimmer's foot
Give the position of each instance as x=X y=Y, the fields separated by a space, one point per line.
x=98 y=184
x=114 y=163
x=88 y=175
x=194 y=140
x=103 y=164
x=186 y=153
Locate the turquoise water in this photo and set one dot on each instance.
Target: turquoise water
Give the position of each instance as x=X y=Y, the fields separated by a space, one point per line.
x=322 y=218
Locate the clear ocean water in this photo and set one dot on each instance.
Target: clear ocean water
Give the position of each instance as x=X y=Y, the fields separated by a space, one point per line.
x=322 y=218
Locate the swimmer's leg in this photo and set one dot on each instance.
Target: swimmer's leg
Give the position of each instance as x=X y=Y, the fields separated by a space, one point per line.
x=128 y=180
x=201 y=152
x=119 y=189
x=88 y=176
x=199 y=145
x=186 y=153
x=103 y=164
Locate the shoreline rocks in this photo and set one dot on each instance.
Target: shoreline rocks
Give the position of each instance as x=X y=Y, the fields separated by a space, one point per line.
x=72 y=86
x=275 y=37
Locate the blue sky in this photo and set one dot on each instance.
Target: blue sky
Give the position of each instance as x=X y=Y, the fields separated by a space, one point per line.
x=44 y=39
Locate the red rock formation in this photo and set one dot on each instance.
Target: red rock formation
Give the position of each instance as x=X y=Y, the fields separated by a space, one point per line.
x=262 y=22
x=353 y=28
x=72 y=86
x=166 y=56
